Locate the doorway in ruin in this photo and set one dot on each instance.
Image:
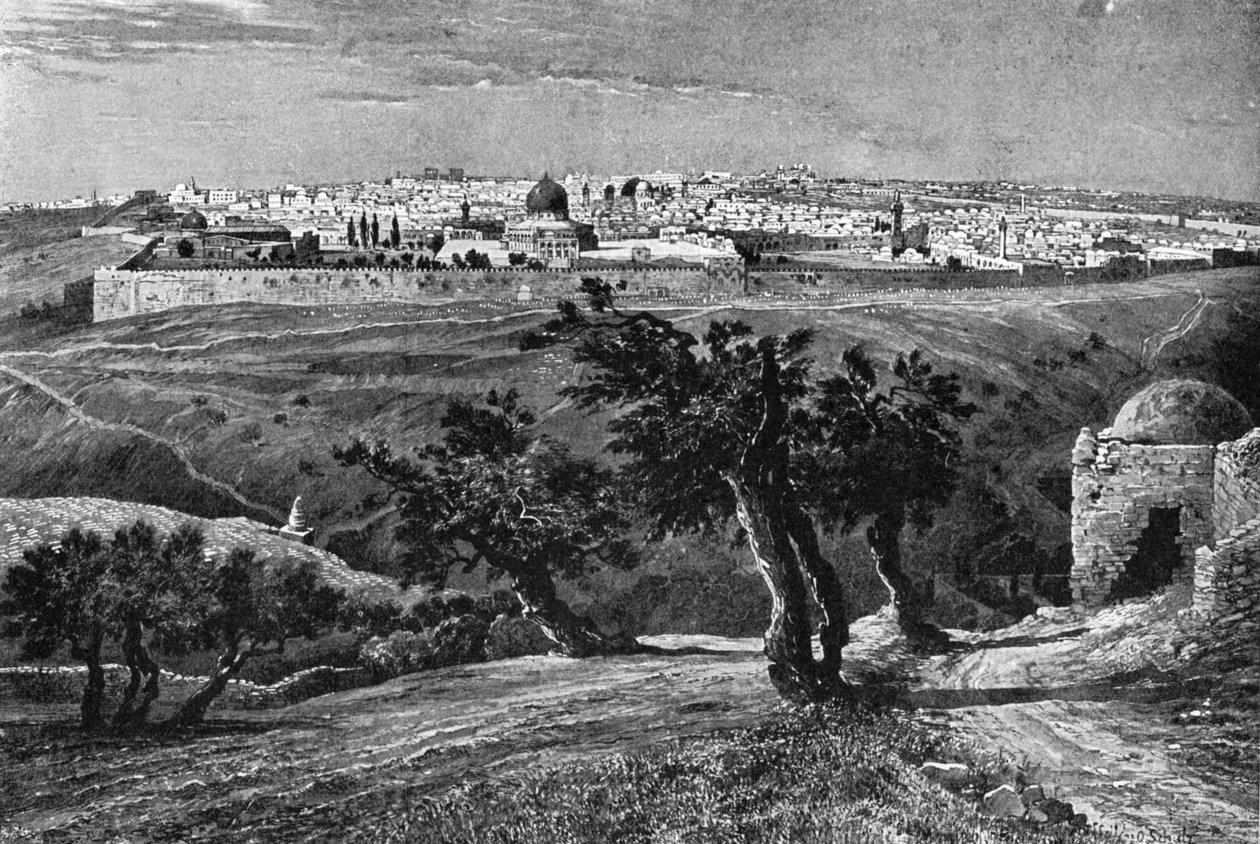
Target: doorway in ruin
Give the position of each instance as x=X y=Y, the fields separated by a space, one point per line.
x=1157 y=555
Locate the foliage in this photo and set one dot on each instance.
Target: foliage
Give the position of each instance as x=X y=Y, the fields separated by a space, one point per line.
x=498 y=493
x=185 y=248
x=517 y=259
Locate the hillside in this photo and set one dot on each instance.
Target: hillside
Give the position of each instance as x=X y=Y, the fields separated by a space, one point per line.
x=27 y=522
x=235 y=410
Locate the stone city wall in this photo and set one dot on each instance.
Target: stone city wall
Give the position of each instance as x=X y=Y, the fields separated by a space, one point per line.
x=1227 y=577
x=1236 y=485
x=1114 y=487
x=120 y=293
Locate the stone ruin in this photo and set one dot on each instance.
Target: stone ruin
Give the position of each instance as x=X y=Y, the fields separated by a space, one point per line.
x=1169 y=493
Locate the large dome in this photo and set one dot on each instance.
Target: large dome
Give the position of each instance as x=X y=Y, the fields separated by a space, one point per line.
x=1181 y=412
x=193 y=221
x=547 y=197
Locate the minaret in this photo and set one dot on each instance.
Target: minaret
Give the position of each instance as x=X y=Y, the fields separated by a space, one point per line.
x=586 y=194
x=898 y=239
x=465 y=209
x=1002 y=238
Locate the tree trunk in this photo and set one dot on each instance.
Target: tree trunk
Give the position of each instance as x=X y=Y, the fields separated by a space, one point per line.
x=574 y=635
x=193 y=710
x=94 y=689
x=828 y=592
x=130 y=643
x=152 y=674
x=884 y=539
x=793 y=671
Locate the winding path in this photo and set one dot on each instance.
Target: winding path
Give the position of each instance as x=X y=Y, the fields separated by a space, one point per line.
x=76 y=413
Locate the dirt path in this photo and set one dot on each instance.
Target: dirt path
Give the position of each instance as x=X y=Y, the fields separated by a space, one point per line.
x=77 y=414
x=1153 y=345
x=1110 y=751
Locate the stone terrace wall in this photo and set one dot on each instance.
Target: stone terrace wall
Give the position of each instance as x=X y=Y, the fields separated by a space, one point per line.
x=1236 y=485
x=1114 y=487
x=65 y=685
x=120 y=293
x=1227 y=578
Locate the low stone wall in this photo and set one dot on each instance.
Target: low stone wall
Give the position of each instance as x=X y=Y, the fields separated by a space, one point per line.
x=65 y=685
x=1114 y=487
x=1227 y=578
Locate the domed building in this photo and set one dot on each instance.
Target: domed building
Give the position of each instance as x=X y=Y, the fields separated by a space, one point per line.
x=1181 y=412
x=1156 y=486
x=546 y=233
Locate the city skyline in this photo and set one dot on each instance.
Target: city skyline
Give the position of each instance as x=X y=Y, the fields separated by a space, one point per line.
x=1140 y=95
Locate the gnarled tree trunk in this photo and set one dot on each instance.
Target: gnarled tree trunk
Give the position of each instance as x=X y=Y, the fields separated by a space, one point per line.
x=94 y=690
x=884 y=539
x=793 y=671
x=833 y=633
x=574 y=635
x=144 y=670
x=193 y=710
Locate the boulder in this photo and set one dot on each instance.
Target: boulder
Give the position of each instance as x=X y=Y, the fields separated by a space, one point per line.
x=1035 y=815
x=946 y=773
x=1032 y=795
x=459 y=640
x=511 y=636
x=1057 y=811
x=1004 y=802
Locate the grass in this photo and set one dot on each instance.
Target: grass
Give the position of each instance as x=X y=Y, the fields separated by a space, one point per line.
x=825 y=774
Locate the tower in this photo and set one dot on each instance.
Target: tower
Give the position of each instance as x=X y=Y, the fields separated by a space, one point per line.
x=898 y=237
x=586 y=194
x=1002 y=238
x=464 y=209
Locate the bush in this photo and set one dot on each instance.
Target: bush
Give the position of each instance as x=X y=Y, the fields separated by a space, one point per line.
x=251 y=433
x=281 y=418
x=364 y=615
x=302 y=401
x=403 y=652
x=217 y=416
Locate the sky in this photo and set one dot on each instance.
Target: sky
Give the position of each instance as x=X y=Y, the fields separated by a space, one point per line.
x=116 y=95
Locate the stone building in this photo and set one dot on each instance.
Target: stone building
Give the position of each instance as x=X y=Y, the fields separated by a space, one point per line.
x=547 y=233
x=1164 y=481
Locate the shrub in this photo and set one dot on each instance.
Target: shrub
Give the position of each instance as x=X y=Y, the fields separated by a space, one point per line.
x=302 y=401
x=281 y=418
x=402 y=652
x=217 y=415
x=251 y=433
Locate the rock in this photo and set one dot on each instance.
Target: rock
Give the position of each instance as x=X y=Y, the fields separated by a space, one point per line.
x=1032 y=794
x=1057 y=811
x=946 y=773
x=1003 y=802
x=511 y=636
x=459 y=640
x=1036 y=815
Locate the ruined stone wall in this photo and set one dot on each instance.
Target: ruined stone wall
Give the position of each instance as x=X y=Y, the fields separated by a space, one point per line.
x=1227 y=577
x=1114 y=486
x=1236 y=485
x=119 y=293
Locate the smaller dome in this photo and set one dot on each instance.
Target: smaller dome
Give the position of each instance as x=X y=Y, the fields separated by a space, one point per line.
x=194 y=220
x=1181 y=412
x=547 y=197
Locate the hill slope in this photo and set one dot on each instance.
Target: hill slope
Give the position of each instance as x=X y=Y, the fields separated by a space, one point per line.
x=234 y=410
